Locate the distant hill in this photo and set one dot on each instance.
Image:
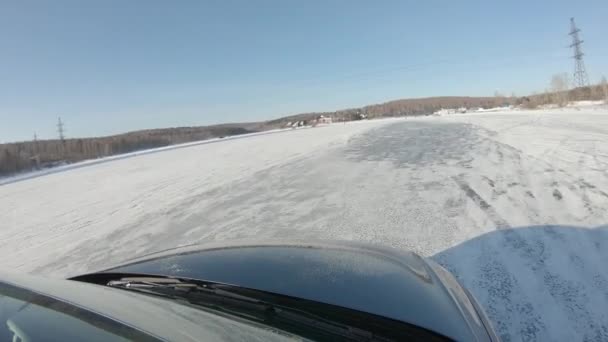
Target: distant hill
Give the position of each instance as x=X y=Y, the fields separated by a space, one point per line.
x=30 y=155
x=406 y=107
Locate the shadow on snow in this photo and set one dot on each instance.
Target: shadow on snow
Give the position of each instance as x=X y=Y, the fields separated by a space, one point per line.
x=538 y=282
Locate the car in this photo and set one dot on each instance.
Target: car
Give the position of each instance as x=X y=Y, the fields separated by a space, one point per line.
x=249 y=291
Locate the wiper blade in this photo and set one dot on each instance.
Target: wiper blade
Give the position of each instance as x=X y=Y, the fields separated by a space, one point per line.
x=216 y=297
x=302 y=317
x=152 y=286
x=151 y=282
x=179 y=288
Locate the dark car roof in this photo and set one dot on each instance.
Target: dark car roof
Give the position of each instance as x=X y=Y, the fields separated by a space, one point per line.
x=394 y=284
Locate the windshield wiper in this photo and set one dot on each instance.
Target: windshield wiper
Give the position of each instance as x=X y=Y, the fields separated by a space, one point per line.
x=302 y=317
x=219 y=297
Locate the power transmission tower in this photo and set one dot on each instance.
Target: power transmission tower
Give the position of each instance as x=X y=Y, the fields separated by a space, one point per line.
x=580 y=73
x=35 y=148
x=60 y=130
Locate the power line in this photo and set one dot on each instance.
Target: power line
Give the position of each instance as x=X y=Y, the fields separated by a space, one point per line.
x=580 y=73
x=477 y=61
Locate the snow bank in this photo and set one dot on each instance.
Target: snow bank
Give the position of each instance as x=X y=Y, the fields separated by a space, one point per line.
x=90 y=162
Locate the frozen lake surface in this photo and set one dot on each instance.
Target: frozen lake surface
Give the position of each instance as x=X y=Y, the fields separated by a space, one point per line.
x=515 y=204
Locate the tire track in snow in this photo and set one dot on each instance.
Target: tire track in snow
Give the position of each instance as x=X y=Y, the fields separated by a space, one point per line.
x=513 y=265
x=483 y=204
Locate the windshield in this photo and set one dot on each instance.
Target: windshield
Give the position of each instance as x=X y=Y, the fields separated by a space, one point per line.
x=27 y=316
x=472 y=133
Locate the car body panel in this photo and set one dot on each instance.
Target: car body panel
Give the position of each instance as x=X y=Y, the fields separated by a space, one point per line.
x=472 y=310
x=382 y=281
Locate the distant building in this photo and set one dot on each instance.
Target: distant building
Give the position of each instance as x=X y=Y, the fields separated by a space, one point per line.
x=445 y=111
x=324 y=120
x=297 y=124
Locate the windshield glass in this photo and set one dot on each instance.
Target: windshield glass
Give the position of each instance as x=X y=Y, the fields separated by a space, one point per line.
x=472 y=133
x=28 y=317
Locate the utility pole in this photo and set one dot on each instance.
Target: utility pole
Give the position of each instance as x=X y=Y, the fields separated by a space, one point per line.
x=35 y=157
x=60 y=130
x=580 y=73
x=61 y=149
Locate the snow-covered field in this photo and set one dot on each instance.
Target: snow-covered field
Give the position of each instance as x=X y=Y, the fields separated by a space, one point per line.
x=514 y=204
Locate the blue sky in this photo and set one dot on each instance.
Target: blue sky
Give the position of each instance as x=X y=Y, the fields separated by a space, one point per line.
x=109 y=66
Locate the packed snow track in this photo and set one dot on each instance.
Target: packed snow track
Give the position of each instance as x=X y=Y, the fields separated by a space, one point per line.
x=514 y=204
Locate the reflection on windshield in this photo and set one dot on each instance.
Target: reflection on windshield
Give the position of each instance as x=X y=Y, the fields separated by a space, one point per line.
x=28 y=316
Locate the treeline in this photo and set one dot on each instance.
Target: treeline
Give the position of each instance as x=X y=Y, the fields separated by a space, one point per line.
x=430 y=105
x=33 y=155
x=560 y=95
x=407 y=107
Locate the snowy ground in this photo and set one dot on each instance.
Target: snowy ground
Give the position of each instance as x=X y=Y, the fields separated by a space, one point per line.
x=512 y=203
